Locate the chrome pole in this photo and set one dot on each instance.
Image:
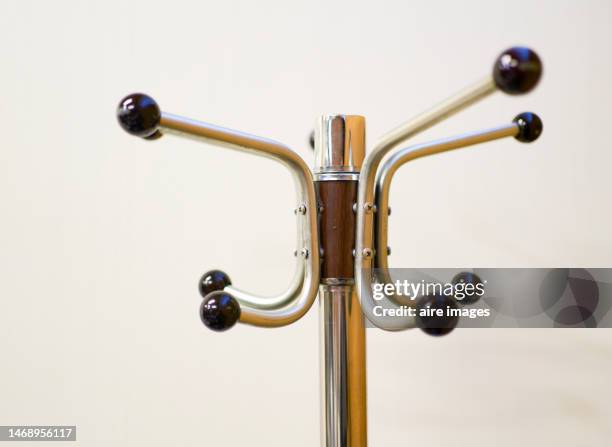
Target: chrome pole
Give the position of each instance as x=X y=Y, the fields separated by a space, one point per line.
x=343 y=378
x=339 y=153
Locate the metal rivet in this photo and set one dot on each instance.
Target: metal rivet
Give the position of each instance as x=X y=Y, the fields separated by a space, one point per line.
x=369 y=207
x=388 y=251
x=295 y=253
x=355 y=208
x=304 y=253
x=300 y=209
x=367 y=253
x=388 y=211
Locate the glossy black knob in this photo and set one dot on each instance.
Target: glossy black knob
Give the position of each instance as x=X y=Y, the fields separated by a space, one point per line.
x=517 y=70
x=213 y=281
x=219 y=311
x=530 y=127
x=468 y=288
x=139 y=115
x=439 y=319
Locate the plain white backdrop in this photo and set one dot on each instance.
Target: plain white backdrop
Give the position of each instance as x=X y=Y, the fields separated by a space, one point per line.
x=104 y=236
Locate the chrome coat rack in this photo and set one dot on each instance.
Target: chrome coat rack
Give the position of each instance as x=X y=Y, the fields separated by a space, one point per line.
x=342 y=208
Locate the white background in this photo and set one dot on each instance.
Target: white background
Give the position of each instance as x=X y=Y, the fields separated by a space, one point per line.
x=104 y=236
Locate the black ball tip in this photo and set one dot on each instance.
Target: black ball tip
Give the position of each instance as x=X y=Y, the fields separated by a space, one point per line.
x=139 y=115
x=437 y=325
x=213 y=281
x=470 y=283
x=219 y=311
x=517 y=70
x=530 y=127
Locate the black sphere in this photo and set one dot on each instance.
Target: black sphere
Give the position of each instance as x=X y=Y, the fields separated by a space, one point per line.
x=470 y=294
x=517 y=70
x=530 y=127
x=219 y=311
x=437 y=325
x=139 y=115
x=213 y=281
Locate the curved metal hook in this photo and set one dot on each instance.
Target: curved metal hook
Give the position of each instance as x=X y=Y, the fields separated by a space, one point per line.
x=518 y=129
x=292 y=304
x=140 y=115
x=364 y=244
x=516 y=71
x=399 y=158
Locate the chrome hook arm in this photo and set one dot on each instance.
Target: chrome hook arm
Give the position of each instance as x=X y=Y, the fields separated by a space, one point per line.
x=139 y=115
x=526 y=127
x=516 y=71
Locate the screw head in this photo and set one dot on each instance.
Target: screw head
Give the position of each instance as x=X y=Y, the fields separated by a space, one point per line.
x=517 y=70
x=138 y=114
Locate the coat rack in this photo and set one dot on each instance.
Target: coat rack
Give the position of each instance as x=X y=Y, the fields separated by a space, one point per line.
x=342 y=208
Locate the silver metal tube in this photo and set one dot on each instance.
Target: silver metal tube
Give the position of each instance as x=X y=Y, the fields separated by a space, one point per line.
x=296 y=301
x=397 y=159
x=333 y=316
x=340 y=142
x=385 y=175
x=266 y=302
x=343 y=375
x=339 y=152
x=364 y=249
